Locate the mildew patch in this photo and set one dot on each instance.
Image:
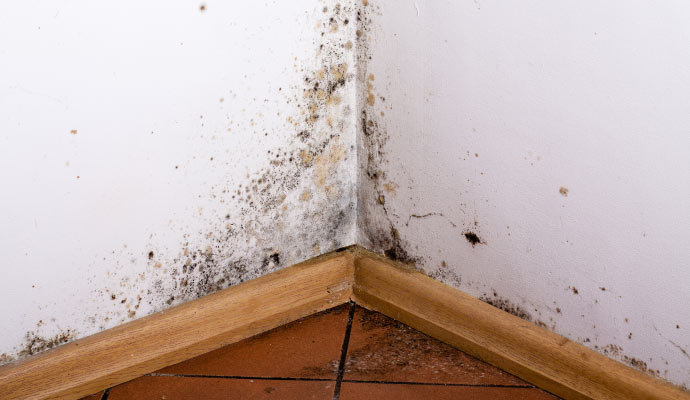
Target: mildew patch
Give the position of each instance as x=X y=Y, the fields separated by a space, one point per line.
x=472 y=238
x=377 y=230
x=507 y=306
x=300 y=204
x=35 y=343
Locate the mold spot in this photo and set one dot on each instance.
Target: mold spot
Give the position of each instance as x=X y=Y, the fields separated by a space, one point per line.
x=507 y=306
x=151 y=255
x=574 y=289
x=35 y=343
x=5 y=359
x=563 y=191
x=472 y=238
x=73 y=131
x=202 y=7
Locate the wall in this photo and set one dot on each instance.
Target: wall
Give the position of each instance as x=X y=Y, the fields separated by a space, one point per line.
x=155 y=152
x=536 y=154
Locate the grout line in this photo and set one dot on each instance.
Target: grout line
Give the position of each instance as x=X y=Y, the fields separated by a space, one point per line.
x=106 y=393
x=258 y=378
x=343 y=352
x=487 y=385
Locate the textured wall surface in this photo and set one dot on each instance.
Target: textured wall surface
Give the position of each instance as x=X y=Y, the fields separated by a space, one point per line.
x=537 y=155
x=155 y=152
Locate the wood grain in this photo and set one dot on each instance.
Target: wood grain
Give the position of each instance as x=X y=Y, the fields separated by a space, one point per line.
x=179 y=333
x=534 y=354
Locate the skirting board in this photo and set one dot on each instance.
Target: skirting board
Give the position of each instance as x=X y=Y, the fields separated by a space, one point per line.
x=534 y=354
x=541 y=357
x=131 y=350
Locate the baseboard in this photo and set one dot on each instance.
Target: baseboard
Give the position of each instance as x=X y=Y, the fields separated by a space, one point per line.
x=532 y=353
x=526 y=350
x=131 y=350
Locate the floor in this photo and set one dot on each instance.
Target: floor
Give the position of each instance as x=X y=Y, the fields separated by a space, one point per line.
x=344 y=353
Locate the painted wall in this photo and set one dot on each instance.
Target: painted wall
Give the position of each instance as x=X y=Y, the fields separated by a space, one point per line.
x=155 y=152
x=537 y=155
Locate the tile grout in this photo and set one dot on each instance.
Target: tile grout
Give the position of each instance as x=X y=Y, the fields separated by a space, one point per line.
x=343 y=352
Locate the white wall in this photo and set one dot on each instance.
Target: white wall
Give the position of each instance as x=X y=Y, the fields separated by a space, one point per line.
x=493 y=106
x=197 y=158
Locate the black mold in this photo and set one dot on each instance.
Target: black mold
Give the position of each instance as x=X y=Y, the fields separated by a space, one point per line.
x=472 y=238
x=35 y=343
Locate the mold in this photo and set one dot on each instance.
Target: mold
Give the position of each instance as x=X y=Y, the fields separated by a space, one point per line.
x=472 y=238
x=35 y=343
x=256 y=225
x=563 y=191
x=507 y=306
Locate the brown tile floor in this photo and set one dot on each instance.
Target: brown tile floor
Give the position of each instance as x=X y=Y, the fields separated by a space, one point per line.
x=346 y=352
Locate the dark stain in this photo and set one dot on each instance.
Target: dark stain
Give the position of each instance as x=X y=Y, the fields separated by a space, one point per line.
x=507 y=306
x=472 y=238
x=273 y=258
x=151 y=255
x=202 y=7
x=396 y=252
x=574 y=289
x=34 y=343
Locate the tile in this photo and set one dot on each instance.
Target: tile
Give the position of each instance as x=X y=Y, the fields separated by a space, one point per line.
x=379 y=391
x=95 y=396
x=179 y=388
x=306 y=348
x=382 y=349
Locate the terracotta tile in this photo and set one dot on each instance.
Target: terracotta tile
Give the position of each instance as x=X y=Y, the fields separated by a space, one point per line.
x=95 y=396
x=382 y=349
x=178 y=388
x=378 y=391
x=307 y=348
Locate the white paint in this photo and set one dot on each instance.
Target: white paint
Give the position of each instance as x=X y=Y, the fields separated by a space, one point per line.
x=174 y=108
x=593 y=97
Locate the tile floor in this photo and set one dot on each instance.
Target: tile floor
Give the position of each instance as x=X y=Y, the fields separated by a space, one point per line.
x=343 y=353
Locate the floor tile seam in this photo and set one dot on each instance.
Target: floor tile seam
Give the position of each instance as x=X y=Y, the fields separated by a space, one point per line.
x=343 y=351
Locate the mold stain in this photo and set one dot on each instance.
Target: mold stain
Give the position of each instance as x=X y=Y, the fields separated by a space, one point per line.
x=256 y=218
x=563 y=191
x=507 y=306
x=35 y=343
x=472 y=238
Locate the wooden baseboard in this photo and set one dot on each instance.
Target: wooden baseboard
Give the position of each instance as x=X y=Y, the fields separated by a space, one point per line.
x=534 y=354
x=128 y=351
